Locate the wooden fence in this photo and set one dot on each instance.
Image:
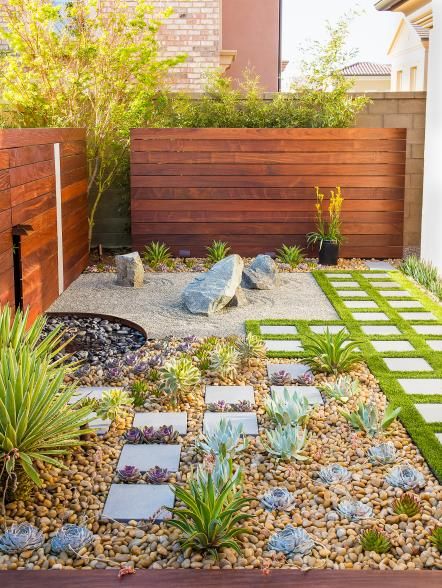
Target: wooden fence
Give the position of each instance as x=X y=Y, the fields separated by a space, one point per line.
x=255 y=187
x=43 y=214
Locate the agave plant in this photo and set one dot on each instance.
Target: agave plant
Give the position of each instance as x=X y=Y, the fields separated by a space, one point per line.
x=436 y=538
x=224 y=360
x=157 y=475
x=217 y=251
x=21 y=537
x=221 y=469
x=281 y=378
x=382 y=454
x=407 y=504
x=286 y=442
x=224 y=440
x=291 y=255
x=367 y=418
x=291 y=541
x=251 y=347
x=70 y=539
x=278 y=499
x=129 y=473
x=405 y=477
x=342 y=389
x=374 y=540
x=331 y=353
x=334 y=474
x=354 y=510
x=156 y=254
x=287 y=408
x=179 y=376
x=113 y=404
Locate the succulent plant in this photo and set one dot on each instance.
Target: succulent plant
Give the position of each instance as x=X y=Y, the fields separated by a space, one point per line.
x=436 y=538
x=382 y=454
x=407 y=504
x=342 y=389
x=354 y=510
x=70 y=539
x=223 y=406
x=155 y=361
x=405 y=477
x=306 y=379
x=164 y=434
x=278 y=499
x=221 y=471
x=251 y=347
x=178 y=376
x=241 y=406
x=113 y=373
x=374 y=540
x=138 y=393
x=129 y=473
x=281 y=378
x=141 y=367
x=224 y=440
x=113 y=404
x=286 y=442
x=157 y=475
x=134 y=435
x=367 y=418
x=331 y=353
x=287 y=408
x=21 y=537
x=130 y=359
x=334 y=474
x=224 y=360
x=291 y=541
x=184 y=347
x=219 y=406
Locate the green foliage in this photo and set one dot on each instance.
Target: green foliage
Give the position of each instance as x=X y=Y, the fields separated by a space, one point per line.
x=292 y=255
x=436 y=538
x=178 y=376
x=286 y=442
x=367 y=418
x=138 y=393
x=221 y=469
x=327 y=229
x=224 y=360
x=287 y=409
x=331 y=353
x=211 y=516
x=425 y=274
x=113 y=404
x=407 y=504
x=156 y=254
x=225 y=440
x=374 y=540
x=251 y=347
x=342 y=389
x=217 y=251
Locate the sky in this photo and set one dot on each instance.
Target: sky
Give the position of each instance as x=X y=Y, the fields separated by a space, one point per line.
x=371 y=32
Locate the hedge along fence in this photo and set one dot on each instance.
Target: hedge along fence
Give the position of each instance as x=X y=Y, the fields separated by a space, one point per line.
x=43 y=203
x=255 y=187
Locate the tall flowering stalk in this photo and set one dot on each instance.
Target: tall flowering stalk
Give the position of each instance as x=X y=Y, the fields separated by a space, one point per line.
x=327 y=229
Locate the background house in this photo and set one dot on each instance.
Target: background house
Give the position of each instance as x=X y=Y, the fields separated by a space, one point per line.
x=408 y=52
x=369 y=77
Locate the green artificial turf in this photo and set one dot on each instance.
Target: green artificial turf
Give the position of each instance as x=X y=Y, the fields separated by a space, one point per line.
x=422 y=433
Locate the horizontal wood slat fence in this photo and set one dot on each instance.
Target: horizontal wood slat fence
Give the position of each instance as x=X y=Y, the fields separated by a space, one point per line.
x=255 y=187
x=28 y=196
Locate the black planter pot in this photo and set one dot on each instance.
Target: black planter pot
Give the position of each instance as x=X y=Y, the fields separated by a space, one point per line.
x=329 y=253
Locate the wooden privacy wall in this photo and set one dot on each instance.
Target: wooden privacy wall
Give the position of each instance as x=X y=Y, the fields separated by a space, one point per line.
x=255 y=187
x=28 y=197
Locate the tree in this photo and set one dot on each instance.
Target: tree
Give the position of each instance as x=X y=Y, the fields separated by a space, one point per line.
x=87 y=64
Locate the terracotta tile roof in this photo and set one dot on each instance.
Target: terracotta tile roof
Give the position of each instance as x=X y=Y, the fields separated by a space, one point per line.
x=366 y=68
x=421 y=31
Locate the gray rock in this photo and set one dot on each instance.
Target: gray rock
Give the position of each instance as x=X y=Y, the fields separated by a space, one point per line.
x=213 y=290
x=239 y=300
x=130 y=271
x=261 y=274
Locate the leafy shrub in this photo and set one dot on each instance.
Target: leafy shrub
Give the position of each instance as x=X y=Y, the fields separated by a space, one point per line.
x=367 y=418
x=407 y=504
x=225 y=440
x=217 y=251
x=156 y=254
x=331 y=353
x=178 y=376
x=342 y=389
x=374 y=540
x=113 y=404
x=290 y=254
x=286 y=442
x=425 y=274
x=251 y=347
x=288 y=408
x=138 y=393
x=224 y=360
x=436 y=538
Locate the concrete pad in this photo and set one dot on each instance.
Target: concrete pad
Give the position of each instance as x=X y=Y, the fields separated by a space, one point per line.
x=360 y=304
x=405 y=303
x=374 y=276
x=148 y=456
x=312 y=393
x=380 y=330
x=279 y=345
x=439 y=437
x=91 y=392
x=353 y=294
x=335 y=275
x=379 y=265
x=383 y=346
x=340 y=285
x=178 y=420
x=247 y=419
x=407 y=364
x=432 y=413
x=421 y=385
x=126 y=502
x=98 y=425
x=370 y=316
x=428 y=329
x=395 y=293
x=435 y=344
x=418 y=316
x=229 y=394
x=386 y=284
x=320 y=329
x=278 y=330
x=294 y=369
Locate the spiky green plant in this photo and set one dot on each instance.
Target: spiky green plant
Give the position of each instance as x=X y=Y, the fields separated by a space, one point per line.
x=407 y=504
x=211 y=517
x=342 y=389
x=374 y=540
x=221 y=469
x=292 y=255
x=179 y=376
x=138 y=393
x=288 y=408
x=367 y=419
x=224 y=360
x=251 y=347
x=203 y=353
x=331 y=353
x=424 y=272
x=224 y=440
x=156 y=254
x=286 y=442
x=217 y=251
x=436 y=538
x=113 y=404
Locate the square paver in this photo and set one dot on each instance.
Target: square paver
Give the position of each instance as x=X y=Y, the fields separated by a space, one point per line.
x=435 y=344
x=178 y=420
x=294 y=369
x=280 y=345
x=407 y=364
x=395 y=293
x=337 y=276
x=98 y=425
x=428 y=329
x=353 y=294
x=321 y=329
x=432 y=413
x=405 y=303
x=278 y=330
x=247 y=419
x=439 y=437
x=91 y=392
x=340 y=285
x=418 y=316
x=149 y=456
x=126 y=502
x=421 y=385
x=312 y=393
x=377 y=276
x=370 y=316
x=229 y=394
x=380 y=330
x=379 y=265
x=386 y=284
x=360 y=304
x=383 y=346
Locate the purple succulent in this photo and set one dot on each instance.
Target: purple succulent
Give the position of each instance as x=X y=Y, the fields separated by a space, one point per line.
x=112 y=363
x=113 y=373
x=191 y=339
x=184 y=347
x=130 y=359
x=134 y=435
x=164 y=434
x=155 y=361
x=219 y=406
x=157 y=475
x=242 y=406
x=140 y=367
x=129 y=474
x=307 y=379
x=281 y=378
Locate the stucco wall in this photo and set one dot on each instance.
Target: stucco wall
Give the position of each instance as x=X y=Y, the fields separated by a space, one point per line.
x=369 y=84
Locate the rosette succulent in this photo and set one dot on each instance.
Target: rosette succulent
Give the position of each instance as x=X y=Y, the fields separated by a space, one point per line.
x=157 y=475
x=278 y=499
x=291 y=541
x=407 y=504
x=334 y=474
x=382 y=454
x=251 y=347
x=164 y=434
x=134 y=435
x=224 y=360
x=113 y=404
x=70 y=539
x=281 y=378
x=286 y=442
x=436 y=538
x=140 y=367
x=225 y=440
x=287 y=408
x=129 y=473
x=130 y=359
x=21 y=537
x=306 y=379
x=374 y=540
x=354 y=510
x=178 y=376
x=342 y=389
x=405 y=477
x=223 y=406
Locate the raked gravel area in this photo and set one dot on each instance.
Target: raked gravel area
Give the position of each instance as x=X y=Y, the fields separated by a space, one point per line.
x=158 y=308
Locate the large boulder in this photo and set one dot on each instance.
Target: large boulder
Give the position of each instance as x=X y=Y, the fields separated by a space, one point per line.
x=261 y=274
x=239 y=300
x=213 y=290
x=130 y=270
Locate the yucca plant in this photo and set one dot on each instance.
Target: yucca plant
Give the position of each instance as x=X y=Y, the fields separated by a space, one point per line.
x=292 y=255
x=156 y=254
x=217 y=251
x=224 y=360
x=286 y=442
x=251 y=347
x=287 y=408
x=436 y=538
x=178 y=376
x=367 y=419
x=113 y=404
x=211 y=517
x=331 y=353
x=407 y=504
x=374 y=540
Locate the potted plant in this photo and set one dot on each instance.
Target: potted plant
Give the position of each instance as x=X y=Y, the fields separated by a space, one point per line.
x=328 y=234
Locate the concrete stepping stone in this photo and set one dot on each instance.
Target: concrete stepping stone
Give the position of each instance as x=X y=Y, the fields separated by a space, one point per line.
x=418 y=316
x=91 y=392
x=428 y=329
x=352 y=294
x=439 y=437
x=407 y=364
x=432 y=413
x=380 y=330
x=360 y=304
x=312 y=393
x=247 y=419
x=370 y=316
x=321 y=329
x=374 y=276
x=395 y=293
x=421 y=385
x=405 y=303
x=229 y=394
x=294 y=369
x=379 y=265
x=126 y=502
x=386 y=284
x=145 y=457
x=178 y=420
x=279 y=345
x=383 y=346
x=435 y=344
x=98 y=425
x=337 y=276
x=278 y=330
x=340 y=285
